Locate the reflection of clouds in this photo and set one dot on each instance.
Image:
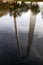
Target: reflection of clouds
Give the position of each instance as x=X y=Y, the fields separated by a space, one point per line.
x=41 y=8
x=40 y=4
x=6 y=23
x=39 y=25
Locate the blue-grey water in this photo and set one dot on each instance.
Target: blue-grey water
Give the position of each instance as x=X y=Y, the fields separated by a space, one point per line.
x=8 y=45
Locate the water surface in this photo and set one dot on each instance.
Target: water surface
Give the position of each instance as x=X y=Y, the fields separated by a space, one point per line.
x=8 y=44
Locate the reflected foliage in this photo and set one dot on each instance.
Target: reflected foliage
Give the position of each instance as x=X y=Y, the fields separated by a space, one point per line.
x=35 y=9
x=19 y=8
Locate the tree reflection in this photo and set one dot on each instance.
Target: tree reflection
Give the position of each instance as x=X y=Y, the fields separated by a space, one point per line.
x=31 y=29
x=18 y=12
x=16 y=9
x=34 y=11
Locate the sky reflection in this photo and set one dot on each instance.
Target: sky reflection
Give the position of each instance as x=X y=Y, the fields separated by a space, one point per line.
x=23 y=21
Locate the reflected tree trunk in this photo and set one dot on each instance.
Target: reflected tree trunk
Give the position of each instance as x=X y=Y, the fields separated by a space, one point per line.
x=17 y=39
x=30 y=36
x=31 y=32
